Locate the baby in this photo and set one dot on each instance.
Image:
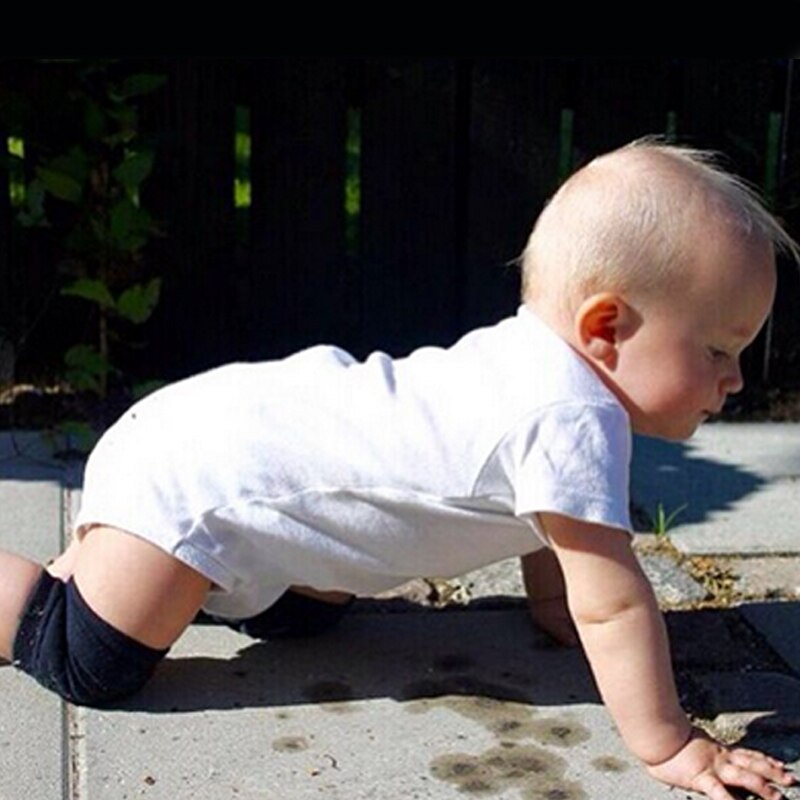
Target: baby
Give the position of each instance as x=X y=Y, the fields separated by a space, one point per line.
x=644 y=279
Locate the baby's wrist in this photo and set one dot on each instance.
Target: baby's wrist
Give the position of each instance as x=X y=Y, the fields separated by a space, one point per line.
x=684 y=738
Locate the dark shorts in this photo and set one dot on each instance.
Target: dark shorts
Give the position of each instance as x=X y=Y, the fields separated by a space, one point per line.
x=293 y=616
x=68 y=648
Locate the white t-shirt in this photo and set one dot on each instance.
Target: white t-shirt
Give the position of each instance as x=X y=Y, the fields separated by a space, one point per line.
x=328 y=472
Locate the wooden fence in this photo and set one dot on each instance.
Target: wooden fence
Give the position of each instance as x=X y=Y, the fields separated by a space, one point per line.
x=449 y=162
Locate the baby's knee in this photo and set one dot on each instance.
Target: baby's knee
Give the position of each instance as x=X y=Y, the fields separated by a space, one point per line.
x=68 y=648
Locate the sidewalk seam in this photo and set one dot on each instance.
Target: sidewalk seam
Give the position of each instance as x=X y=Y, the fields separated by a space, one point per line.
x=74 y=721
x=76 y=748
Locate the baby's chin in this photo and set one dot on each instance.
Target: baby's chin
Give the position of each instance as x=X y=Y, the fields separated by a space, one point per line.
x=672 y=434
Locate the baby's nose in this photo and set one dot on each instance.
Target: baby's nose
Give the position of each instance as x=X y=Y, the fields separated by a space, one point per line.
x=733 y=381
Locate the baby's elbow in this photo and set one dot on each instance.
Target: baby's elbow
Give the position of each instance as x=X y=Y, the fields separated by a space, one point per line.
x=595 y=613
x=615 y=606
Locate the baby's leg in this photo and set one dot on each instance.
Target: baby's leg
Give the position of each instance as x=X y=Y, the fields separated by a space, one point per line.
x=136 y=587
x=99 y=635
x=18 y=576
x=547 y=600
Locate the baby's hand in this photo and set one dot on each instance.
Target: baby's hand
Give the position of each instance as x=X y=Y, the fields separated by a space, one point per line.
x=703 y=765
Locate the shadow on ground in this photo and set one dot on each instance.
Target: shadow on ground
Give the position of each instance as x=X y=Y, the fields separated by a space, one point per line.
x=373 y=655
x=469 y=653
x=673 y=475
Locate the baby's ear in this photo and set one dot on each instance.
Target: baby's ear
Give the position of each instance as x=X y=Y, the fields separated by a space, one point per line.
x=601 y=323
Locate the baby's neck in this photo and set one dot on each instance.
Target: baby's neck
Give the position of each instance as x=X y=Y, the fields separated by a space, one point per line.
x=555 y=318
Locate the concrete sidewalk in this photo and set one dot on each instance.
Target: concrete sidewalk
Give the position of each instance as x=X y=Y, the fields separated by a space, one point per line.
x=407 y=702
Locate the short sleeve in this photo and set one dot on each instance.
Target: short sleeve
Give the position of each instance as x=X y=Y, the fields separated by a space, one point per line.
x=574 y=460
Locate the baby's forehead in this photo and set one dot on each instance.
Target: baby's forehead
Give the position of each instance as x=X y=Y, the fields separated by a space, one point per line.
x=673 y=187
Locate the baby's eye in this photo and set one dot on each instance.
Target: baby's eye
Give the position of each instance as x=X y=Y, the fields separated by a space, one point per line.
x=717 y=354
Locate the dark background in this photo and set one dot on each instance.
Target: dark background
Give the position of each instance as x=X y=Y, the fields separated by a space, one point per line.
x=452 y=159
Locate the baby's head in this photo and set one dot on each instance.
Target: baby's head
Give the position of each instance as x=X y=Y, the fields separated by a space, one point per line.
x=632 y=221
x=658 y=267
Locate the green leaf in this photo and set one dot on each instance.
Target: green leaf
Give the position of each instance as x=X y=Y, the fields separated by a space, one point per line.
x=129 y=226
x=95 y=291
x=143 y=388
x=77 y=435
x=32 y=215
x=10 y=161
x=86 y=368
x=142 y=83
x=134 y=169
x=137 y=303
x=75 y=164
x=94 y=121
x=60 y=185
x=126 y=116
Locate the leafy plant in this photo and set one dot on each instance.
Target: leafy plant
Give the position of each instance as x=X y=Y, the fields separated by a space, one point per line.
x=662 y=521
x=98 y=179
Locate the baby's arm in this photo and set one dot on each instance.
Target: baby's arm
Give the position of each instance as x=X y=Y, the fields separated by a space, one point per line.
x=623 y=634
x=547 y=600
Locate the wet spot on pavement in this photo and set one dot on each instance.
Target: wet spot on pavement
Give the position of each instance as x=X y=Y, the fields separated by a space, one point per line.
x=290 y=744
x=535 y=772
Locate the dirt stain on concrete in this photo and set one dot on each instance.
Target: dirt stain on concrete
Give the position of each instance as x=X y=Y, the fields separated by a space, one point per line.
x=290 y=744
x=563 y=732
x=508 y=720
x=515 y=763
x=535 y=772
x=609 y=764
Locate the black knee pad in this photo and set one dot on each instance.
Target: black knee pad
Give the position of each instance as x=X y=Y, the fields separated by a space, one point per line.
x=293 y=616
x=65 y=646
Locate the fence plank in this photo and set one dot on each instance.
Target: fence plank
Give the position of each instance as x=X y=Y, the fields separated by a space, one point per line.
x=514 y=136
x=408 y=179
x=40 y=326
x=785 y=362
x=724 y=106
x=6 y=268
x=191 y=192
x=616 y=101
x=297 y=275
x=457 y=158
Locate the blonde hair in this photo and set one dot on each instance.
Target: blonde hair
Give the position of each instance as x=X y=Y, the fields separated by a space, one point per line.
x=624 y=222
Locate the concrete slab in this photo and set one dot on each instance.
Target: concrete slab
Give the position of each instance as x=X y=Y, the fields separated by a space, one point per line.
x=406 y=705
x=716 y=639
x=779 y=623
x=33 y=750
x=33 y=726
x=735 y=484
x=31 y=517
x=766 y=522
x=671 y=584
x=764 y=576
x=31 y=447
x=418 y=705
x=760 y=710
x=771 y=450
x=501 y=579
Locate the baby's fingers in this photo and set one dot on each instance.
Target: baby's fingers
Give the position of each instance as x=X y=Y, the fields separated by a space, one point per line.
x=764 y=765
x=733 y=775
x=712 y=787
